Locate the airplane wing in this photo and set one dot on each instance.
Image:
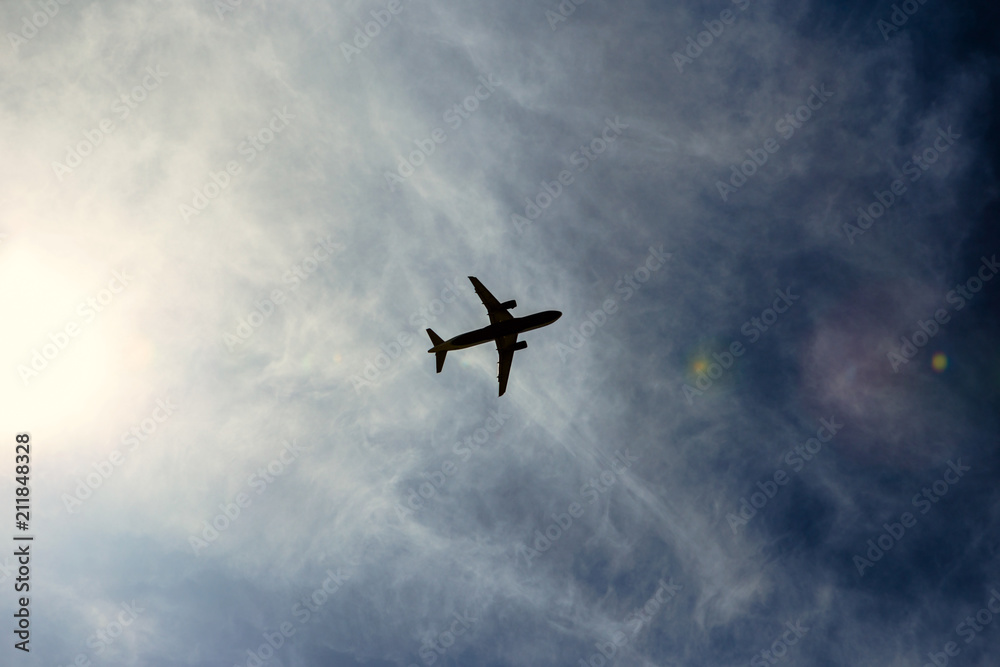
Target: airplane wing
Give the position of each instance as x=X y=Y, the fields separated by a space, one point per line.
x=496 y=311
x=505 y=347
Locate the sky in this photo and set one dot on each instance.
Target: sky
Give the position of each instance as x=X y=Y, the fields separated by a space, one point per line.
x=764 y=430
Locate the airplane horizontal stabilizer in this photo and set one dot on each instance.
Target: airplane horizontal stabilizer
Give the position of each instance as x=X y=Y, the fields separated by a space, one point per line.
x=438 y=356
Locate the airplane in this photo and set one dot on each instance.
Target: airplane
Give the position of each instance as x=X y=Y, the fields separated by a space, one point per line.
x=503 y=329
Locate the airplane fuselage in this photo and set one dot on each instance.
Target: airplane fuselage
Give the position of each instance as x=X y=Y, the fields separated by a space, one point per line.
x=514 y=325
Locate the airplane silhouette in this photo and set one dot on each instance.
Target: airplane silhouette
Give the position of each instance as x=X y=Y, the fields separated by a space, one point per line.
x=503 y=329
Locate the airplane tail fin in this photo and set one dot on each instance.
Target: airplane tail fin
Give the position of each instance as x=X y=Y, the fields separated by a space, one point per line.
x=438 y=356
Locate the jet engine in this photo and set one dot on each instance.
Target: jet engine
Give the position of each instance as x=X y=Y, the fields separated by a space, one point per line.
x=509 y=304
x=521 y=345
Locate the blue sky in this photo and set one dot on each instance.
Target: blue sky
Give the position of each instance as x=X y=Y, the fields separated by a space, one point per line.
x=764 y=430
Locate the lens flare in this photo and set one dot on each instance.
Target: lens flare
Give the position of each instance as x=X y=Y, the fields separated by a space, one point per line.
x=939 y=362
